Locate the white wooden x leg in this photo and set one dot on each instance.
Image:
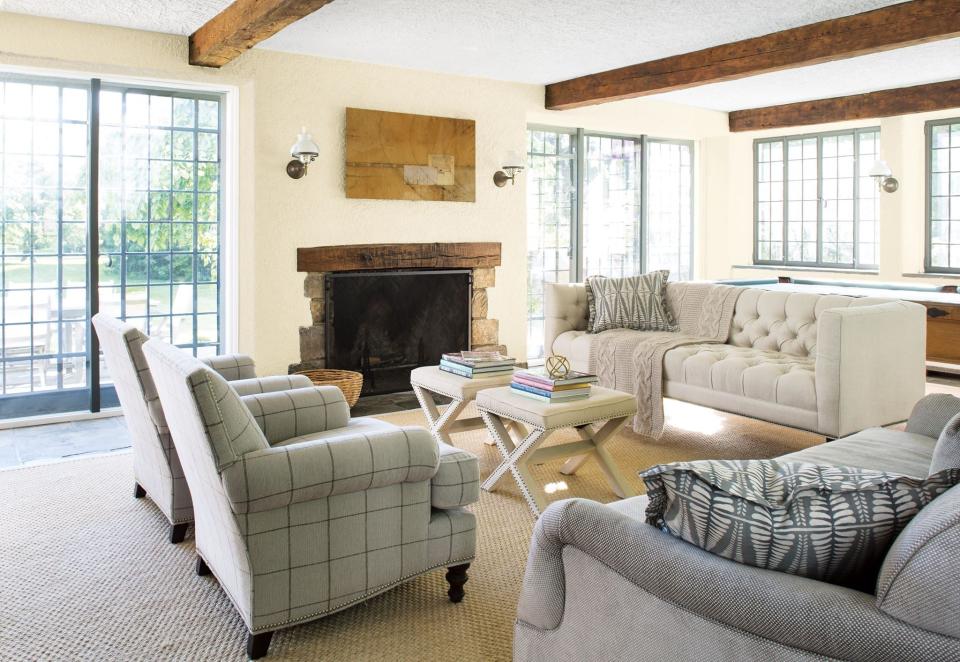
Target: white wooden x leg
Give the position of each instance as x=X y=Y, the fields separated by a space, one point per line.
x=442 y=424
x=519 y=455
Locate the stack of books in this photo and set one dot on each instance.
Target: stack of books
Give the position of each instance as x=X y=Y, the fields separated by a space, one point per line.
x=539 y=385
x=477 y=364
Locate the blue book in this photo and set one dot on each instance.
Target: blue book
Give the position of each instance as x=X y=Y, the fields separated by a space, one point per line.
x=546 y=396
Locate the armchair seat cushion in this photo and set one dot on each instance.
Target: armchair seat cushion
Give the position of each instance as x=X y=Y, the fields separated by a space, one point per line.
x=765 y=375
x=824 y=522
x=457 y=481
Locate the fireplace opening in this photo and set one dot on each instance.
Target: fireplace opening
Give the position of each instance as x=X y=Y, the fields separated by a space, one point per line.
x=386 y=323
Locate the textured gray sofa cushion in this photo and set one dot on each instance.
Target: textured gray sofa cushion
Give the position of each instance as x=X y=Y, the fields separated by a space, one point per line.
x=824 y=522
x=946 y=454
x=932 y=413
x=919 y=582
x=879 y=449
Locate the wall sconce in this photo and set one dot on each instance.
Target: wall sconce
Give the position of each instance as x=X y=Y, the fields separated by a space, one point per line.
x=513 y=164
x=304 y=151
x=883 y=175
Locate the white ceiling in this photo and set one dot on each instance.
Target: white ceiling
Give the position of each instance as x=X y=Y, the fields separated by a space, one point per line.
x=542 y=41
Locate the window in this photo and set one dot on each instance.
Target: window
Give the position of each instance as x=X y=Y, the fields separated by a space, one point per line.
x=943 y=195
x=160 y=214
x=43 y=145
x=158 y=224
x=587 y=214
x=815 y=204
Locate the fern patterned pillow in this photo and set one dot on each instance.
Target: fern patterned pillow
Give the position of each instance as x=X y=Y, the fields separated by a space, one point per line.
x=829 y=523
x=633 y=302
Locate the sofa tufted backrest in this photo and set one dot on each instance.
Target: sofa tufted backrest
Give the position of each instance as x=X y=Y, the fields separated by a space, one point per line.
x=785 y=321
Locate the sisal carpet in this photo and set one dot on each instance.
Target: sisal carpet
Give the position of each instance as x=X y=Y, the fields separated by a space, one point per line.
x=86 y=572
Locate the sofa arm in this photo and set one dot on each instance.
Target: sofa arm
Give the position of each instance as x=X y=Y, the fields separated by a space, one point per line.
x=232 y=366
x=313 y=469
x=457 y=481
x=564 y=309
x=870 y=365
x=802 y=613
x=269 y=384
x=932 y=413
x=284 y=415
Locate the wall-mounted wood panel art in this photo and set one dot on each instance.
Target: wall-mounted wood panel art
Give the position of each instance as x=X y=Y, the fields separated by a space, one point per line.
x=396 y=156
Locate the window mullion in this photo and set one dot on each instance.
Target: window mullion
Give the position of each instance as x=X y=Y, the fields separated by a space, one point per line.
x=93 y=242
x=819 y=258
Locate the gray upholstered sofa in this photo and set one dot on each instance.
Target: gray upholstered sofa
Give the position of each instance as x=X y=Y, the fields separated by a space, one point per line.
x=302 y=511
x=826 y=363
x=602 y=584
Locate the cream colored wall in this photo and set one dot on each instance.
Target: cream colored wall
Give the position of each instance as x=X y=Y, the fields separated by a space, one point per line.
x=902 y=214
x=278 y=92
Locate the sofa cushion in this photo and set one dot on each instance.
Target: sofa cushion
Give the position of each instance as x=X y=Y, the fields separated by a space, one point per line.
x=761 y=375
x=575 y=345
x=632 y=302
x=920 y=579
x=824 y=522
x=946 y=454
x=879 y=449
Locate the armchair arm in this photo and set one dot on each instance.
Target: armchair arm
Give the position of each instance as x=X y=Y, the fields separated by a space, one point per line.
x=284 y=415
x=564 y=309
x=232 y=366
x=457 y=481
x=270 y=384
x=870 y=365
x=806 y=614
x=278 y=476
x=932 y=413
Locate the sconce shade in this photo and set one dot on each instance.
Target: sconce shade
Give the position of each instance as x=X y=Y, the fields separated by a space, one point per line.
x=304 y=149
x=880 y=169
x=513 y=159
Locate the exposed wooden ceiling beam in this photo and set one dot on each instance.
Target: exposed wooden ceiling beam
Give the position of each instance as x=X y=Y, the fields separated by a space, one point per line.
x=885 y=103
x=882 y=29
x=244 y=24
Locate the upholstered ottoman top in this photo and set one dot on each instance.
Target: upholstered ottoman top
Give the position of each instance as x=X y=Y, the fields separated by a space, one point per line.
x=603 y=404
x=435 y=380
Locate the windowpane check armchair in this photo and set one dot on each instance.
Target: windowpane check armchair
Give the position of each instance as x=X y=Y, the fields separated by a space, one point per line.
x=300 y=511
x=156 y=465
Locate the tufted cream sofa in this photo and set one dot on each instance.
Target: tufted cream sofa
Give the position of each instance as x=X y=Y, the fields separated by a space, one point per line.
x=827 y=363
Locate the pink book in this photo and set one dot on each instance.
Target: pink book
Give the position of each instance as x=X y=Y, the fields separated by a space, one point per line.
x=544 y=385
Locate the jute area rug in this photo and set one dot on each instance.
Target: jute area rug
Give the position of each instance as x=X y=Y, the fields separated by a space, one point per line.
x=86 y=572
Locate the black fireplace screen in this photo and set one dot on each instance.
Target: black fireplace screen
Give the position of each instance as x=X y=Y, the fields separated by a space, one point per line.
x=386 y=323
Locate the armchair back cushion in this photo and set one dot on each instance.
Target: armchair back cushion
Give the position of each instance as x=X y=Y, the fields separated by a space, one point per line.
x=919 y=581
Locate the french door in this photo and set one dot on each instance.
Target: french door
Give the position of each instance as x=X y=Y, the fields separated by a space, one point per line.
x=140 y=240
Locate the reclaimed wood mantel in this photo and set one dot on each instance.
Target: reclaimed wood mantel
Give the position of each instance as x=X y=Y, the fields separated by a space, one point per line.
x=357 y=257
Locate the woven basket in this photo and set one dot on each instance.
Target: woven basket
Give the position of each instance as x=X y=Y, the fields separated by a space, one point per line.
x=346 y=380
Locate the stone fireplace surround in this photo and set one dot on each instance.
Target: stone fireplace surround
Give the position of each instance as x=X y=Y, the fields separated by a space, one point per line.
x=480 y=257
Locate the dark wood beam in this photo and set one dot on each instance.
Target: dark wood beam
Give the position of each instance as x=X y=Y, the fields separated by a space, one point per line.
x=468 y=255
x=896 y=26
x=885 y=103
x=243 y=25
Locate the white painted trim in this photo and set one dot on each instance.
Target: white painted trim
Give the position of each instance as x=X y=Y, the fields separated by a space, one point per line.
x=49 y=419
x=230 y=233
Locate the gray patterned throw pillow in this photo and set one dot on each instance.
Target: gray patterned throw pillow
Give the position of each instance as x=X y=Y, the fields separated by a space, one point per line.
x=632 y=302
x=829 y=523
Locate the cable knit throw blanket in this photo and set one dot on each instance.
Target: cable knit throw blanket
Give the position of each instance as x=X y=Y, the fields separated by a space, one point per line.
x=632 y=361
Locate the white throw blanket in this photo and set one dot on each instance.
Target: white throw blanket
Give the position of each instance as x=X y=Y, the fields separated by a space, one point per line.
x=632 y=361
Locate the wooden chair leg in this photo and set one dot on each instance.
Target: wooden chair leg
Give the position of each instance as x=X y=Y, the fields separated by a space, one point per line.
x=178 y=532
x=202 y=568
x=258 y=644
x=138 y=492
x=457 y=577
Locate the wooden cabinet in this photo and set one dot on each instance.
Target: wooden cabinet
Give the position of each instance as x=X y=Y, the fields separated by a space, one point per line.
x=943 y=332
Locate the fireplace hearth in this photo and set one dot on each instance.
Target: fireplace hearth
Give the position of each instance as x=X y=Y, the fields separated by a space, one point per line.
x=386 y=323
